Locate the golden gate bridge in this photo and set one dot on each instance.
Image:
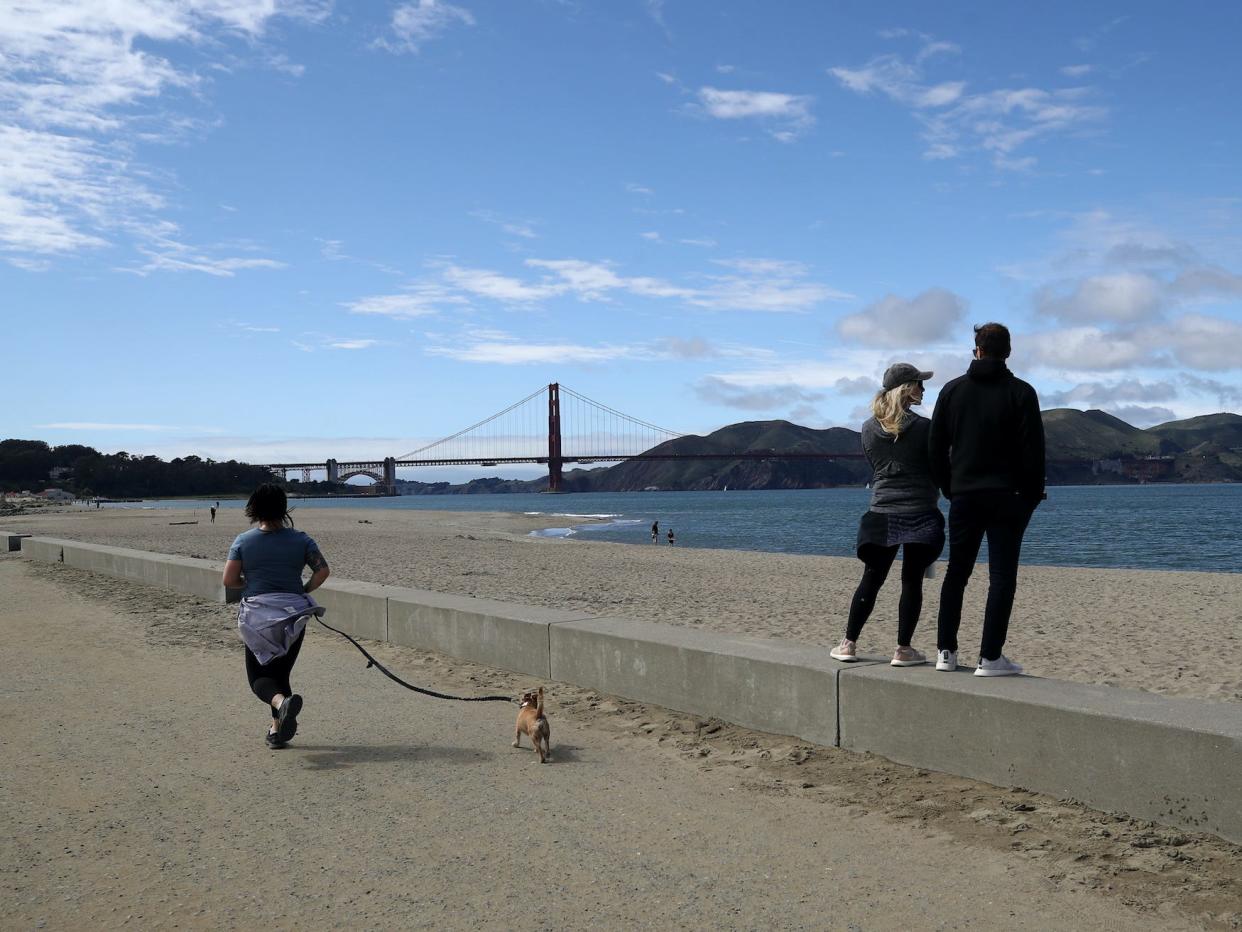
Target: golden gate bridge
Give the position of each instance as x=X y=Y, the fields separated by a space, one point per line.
x=552 y=426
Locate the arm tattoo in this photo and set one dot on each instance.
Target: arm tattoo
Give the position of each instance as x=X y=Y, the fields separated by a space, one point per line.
x=316 y=562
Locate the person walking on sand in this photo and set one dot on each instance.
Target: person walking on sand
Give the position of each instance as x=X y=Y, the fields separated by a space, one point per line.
x=672 y=538
x=903 y=513
x=213 y=516
x=266 y=564
x=987 y=454
x=655 y=532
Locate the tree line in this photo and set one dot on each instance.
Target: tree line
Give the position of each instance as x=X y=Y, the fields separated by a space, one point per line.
x=28 y=464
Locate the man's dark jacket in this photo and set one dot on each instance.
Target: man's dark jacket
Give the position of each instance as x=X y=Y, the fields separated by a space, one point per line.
x=987 y=434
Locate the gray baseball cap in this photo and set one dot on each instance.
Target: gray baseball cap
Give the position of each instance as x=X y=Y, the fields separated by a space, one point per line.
x=899 y=373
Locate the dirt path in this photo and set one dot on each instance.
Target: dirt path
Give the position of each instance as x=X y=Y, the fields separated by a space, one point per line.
x=135 y=788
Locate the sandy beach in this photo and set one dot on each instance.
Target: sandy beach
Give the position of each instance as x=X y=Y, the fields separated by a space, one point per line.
x=1174 y=633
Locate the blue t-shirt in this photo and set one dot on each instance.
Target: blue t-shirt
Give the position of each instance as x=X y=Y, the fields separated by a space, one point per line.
x=272 y=561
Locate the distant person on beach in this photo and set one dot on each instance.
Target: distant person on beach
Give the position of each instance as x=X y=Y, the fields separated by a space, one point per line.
x=655 y=532
x=903 y=512
x=672 y=538
x=987 y=454
x=213 y=516
x=266 y=563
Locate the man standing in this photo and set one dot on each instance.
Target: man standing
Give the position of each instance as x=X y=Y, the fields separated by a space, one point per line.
x=987 y=456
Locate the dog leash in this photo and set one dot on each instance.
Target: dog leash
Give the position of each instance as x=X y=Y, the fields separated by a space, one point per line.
x=372 y=662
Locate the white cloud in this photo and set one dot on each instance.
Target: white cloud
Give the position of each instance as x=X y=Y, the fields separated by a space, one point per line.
x=705 y=243
x=1123 y=298
x=1142 y=415
x=421 y=300
x=75 y=80
x=746 y=284
x=1110 y=394
x=171 y=256
x=791 y=112
x=1083 y=349
x=715 y=390
x=900 y=323
x=1194 y=341
x=513 y=354
x=639 y=189
x=415 y=24
x=1077 y=71
x=652 y=235
x=996 y=122
x=351 y=344
x=522 y=228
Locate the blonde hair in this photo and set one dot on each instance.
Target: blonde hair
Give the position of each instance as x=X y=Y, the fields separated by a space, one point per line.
x=892 y=408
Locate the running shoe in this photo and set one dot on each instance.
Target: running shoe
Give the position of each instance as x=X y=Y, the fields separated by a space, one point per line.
x=846 y=651
x=907 y=657
x=946 y=660
x=1001 y=666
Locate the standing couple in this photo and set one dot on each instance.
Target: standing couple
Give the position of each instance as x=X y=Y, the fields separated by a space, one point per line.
x=984 y=450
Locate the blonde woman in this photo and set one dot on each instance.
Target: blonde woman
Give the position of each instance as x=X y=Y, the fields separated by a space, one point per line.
x=903 y=514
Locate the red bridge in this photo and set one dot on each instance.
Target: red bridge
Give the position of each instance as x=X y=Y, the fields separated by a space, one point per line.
x=576 y=430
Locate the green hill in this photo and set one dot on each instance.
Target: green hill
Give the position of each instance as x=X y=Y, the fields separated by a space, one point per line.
x=1221 y=430
x=749 y=437
x=1093 y=435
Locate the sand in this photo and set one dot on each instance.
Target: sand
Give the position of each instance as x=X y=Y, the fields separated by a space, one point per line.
x=135 y=791
x=1175 y=633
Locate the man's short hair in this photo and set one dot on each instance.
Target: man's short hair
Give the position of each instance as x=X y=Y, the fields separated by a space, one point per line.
x=992 y=340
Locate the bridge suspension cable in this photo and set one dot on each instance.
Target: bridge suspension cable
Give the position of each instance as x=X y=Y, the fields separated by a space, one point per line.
x=582 y=427
x=414 y=454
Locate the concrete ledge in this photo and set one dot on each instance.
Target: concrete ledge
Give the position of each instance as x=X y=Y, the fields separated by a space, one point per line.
x=770 y=685
x=191 y=575
x=499 y=634
x=1174 y=761
x=14 y=541
x=49 y=549
x=359 y=609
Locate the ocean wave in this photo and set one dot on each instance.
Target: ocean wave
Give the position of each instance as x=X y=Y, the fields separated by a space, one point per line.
x=554 y=532
x=565 y=514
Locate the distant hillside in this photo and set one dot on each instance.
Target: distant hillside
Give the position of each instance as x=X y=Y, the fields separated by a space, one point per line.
x=1219 y=430
x=1084 y=447
x=1093 y=435
x=749 y=437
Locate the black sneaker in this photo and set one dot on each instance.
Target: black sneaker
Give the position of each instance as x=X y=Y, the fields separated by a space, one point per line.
x=287 y=717
x=273 y=741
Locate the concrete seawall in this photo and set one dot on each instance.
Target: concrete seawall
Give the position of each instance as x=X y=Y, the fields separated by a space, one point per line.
x=1173 y=761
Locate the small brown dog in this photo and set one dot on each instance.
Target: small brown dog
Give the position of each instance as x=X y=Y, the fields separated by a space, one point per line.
x=533 y=722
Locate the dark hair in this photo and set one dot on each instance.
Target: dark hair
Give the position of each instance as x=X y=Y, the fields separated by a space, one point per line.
x=268 y=503
x=992 y=340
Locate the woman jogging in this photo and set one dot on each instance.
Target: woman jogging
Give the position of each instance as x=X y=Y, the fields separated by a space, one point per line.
x=266 y=564
x=903 y=512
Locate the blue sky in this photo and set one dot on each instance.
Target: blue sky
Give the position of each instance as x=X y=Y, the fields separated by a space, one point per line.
x=290 y=229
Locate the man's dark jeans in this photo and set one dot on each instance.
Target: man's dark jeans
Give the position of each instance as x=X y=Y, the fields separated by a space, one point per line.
x=1002 y=517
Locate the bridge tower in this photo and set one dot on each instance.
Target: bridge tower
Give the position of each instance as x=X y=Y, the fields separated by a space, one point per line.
x=390 y=475
x=334 y=471
x=554 y=437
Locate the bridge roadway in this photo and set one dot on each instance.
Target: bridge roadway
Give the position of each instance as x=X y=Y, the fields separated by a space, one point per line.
x=136 y=789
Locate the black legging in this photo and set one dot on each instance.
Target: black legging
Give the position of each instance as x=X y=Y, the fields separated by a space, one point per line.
x=878 y=560
x=268 y=680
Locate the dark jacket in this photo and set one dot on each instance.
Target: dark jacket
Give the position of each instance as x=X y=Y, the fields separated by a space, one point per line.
x=987 y=434
x=901 y=481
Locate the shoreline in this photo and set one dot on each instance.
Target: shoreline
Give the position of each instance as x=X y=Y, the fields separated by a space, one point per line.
x=1105 y=626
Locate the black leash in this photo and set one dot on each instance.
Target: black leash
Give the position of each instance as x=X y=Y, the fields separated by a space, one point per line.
x=372 y=662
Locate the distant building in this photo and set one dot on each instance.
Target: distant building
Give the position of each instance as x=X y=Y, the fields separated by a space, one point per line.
x=56 y=495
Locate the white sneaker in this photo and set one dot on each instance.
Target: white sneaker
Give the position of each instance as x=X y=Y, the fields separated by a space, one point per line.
x=946 y=660
x=1001 y=666
x=846 y=651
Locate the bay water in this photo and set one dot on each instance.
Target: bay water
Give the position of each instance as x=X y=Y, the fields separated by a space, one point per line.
x=1150 y=527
